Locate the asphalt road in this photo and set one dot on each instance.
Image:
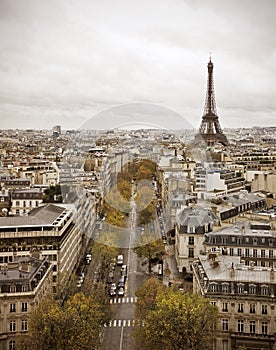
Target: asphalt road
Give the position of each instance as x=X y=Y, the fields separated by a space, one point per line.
x=118 y=333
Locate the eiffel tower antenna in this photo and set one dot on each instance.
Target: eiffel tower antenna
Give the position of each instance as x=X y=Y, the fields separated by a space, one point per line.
x=210 y=130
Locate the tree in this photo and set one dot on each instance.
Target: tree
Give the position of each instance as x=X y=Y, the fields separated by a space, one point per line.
x=178 y=321
x=149 y=247
x=147 y=297
x=75 y=325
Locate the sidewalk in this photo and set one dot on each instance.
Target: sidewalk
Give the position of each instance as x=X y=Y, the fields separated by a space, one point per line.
x=170 y=271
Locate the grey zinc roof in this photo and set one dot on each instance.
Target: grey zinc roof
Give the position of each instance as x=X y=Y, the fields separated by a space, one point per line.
x=241 y=274
x=196 y=217
x=44 y=215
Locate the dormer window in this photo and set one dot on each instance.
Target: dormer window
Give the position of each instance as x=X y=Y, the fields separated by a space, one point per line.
x=213 y=287
x=264 y=290
x=225 y=287
x=252 y=289
x=240 y=288
x=191 y=229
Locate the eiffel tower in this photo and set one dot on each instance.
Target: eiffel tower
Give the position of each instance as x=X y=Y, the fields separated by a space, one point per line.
x=210 y=131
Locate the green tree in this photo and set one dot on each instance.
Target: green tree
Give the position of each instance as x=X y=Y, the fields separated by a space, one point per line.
x=52 y=195
x=178 y=321
x=75 y=325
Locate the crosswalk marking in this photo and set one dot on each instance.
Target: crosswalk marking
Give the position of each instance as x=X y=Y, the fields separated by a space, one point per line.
x=124 y=323
x=123 y=300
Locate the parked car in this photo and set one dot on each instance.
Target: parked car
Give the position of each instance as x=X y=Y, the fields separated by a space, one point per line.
x=124 y=271
x=120 y=259
x=121 y=282
x=112 y=292
x=121 y=292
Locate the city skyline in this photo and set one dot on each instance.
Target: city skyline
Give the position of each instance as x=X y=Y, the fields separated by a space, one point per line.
x=64 y=63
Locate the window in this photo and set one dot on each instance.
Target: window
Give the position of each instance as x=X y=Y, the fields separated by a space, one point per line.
x=264 y=290
x=24 y=203
x=252 y=327
x=262 y=253
x=252 y=308
x=225 y=326
x=24 y=325
x=12 y=307
x=191 y=252
x=252 y=289
x=17 y=211
x=36 y=203
x=224 y=307
x=12 y=289
x=240 y=288
x=17 y=203
x=213 y=303
x=246 y=252
x=270 y=252
x=239 y=251
x=12 y=345
x=264 y=327
x=264 y=309
x=213 y=288
x=231 y=251
x=240 y=307
x=12 y=326
x=255 y=253
x=191 y=241
x=240 y=326
x=225 y=288
x=24 y=307
x=30 y=203
x=191 y=229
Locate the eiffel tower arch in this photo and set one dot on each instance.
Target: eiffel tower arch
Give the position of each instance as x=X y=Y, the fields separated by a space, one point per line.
x=210 y=131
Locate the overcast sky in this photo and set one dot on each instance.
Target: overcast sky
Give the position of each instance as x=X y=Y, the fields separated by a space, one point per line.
x=62 y=62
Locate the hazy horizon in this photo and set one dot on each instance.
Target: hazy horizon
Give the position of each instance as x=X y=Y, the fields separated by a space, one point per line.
x=64 y=63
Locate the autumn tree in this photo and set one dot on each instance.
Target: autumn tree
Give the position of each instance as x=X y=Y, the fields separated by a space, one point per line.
x=176 y=320
x=75 y=325
x=150 y=248
x=147 y=297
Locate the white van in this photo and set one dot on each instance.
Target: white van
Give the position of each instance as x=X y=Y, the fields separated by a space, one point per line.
x=120 y=259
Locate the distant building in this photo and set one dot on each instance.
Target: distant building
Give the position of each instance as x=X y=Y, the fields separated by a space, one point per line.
x=245 y=297
x=23 y=283
x=22 y=201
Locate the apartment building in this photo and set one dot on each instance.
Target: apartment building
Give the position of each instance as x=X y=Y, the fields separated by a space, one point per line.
x=23 y=283
x=22 y=201
x=50 y=229
x=245 y=297
x=208 y=182
x=253 y=242
x=191 y=227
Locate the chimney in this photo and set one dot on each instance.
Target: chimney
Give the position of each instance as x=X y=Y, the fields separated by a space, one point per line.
x=232 y=270
x=272 y=274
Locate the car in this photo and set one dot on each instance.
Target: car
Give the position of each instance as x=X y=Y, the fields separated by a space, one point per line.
x=124 y=271
x=89 y=256
x=112 y=292
x=121 y=282
x=121 y=292
x=120 y=259
x=113 y=286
